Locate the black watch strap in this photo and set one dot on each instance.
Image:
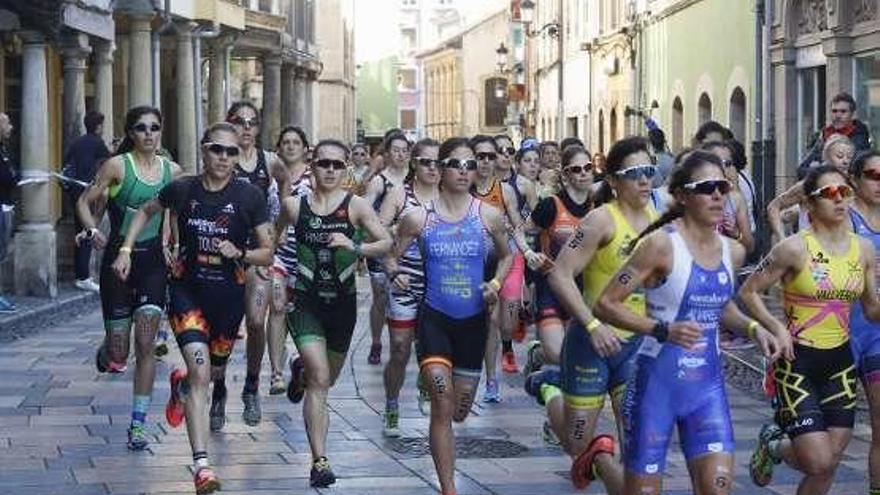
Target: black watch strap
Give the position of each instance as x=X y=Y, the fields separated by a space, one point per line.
x=660 y=331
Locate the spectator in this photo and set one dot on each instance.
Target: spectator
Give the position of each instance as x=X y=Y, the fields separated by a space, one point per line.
x=843 y=121
x=664 y=159
x=549 y=155
x=711 y=131
x=746 y=186
x=82 y=159
x=8 y=182
x=570 y=141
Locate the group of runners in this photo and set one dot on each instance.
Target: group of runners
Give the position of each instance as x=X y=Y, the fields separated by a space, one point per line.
x=468 y=242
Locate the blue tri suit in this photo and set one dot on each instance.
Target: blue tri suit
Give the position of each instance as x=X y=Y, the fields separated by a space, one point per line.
x=673 y=386
x=864 y=334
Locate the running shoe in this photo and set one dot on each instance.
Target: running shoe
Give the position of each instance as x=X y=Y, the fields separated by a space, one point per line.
x=7 y=306
x=519 y=333
x=277 y=385
x=161 y=348
x=102 y=364
x=253 y=413
x=582 y=467
x=534 y=357
x=532 y=385
x=375 y=356
x=218 y=413
x=296 y=388
x=87 y=285
x=175 y=411
x=392 y=424
x=321 y=476
x=762 y=461
x=206 y=481
x=424 y=397
x=549 y=435
x=137 y=437
x=508 y=362
x=493 y=393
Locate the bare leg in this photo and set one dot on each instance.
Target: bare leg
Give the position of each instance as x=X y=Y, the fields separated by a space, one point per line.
x=636 y=484
x=318 y=380
x=816 y=455
x=377 y=310
x=438 y=379
x=277 y=331
x=146 y=325
x=492 y=342
x=198 y=375
x=257 y=300
x=712 y=474
x=395 y=369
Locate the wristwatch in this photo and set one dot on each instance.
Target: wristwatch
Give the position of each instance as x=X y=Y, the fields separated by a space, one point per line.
x=660 y=331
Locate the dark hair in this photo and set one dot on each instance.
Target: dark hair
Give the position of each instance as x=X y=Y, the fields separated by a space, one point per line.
x=92 y=120
x=570 y=141
x=740 y=159
x=394 y=136
x=658 y=139
x=843 y=96
x=416 y=150
x=711 y=146
x=331 y=142
x=710 y=127
x=299 y=132
x=680 y=157
x=520 y=153
x=131 y=118
x=362 y=146
x=614 y=162
x=238 y=105
x=571 y=152
x=811 y=181
x=548 y=144
x=389 y=132
x=857 y=167
x=682 y=175
x=482 y=138
x=452 y=144
x=217 y=127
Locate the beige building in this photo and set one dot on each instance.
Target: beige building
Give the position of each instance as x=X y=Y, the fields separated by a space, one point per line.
x=336 y=85
x=442 y=87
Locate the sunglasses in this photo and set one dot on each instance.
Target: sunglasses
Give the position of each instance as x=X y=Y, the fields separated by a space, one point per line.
x=636 y=172
x=871 y=174
x=328 y=164
x=833 y=192
x=426 y=162
x=218 y=149
x=359 y=153
x=244 y=122
x=486 y=155
x=509 y=151
x=578 y=169
x=708 y=187
x=460 y=165
x=143 y=128
x=727 y=163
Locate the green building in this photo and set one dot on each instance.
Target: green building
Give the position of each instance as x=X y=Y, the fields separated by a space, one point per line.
x=377 y=98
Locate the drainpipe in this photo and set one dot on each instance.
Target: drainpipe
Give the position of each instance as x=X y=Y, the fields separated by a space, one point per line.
x=201 y=32
x=156 y=52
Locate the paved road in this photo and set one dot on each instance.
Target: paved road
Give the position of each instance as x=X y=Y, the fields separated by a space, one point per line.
x=62 y=430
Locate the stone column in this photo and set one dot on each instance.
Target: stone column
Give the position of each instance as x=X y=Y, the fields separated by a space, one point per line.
x=299 y=99
x=36 y=267
x=74 y=51
x=140 y=62
x=186 y=104
x=104 y=85
x=288 y=94
x=786 y=102
x=839 y=66
x=217 y=82
x=271 y=98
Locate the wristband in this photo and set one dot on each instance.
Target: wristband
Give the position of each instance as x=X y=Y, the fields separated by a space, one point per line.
x=593 y=325
x=90 y=233
x=243 y=254
x=125 y=249
x=660 y=331
x=752 y=329
x=495 y=284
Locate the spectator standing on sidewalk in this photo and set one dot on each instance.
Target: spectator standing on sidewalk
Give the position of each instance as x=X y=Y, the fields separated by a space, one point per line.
x=8 y=181
x=81 y=160
x=843 y=121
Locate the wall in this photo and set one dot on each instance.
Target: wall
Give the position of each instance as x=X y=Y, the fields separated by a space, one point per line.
x=478 y=64
x=377 y=95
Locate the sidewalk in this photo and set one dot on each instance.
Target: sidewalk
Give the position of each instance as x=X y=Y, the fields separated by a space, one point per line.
x=62 y=430
x=36 y=313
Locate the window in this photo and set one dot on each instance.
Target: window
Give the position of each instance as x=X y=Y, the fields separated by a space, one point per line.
x=868 y=90
x=612 y=126
x=571 y=127
x=811 y=105
x=407 y=119
x=677 y=125
x=495 y=101
x=601 y=131
x=406 y=79
x=408 y=38
x=704 y=109
x=737 y=118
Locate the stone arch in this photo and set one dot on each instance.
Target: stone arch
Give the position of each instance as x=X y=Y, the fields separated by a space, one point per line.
x=677 y=124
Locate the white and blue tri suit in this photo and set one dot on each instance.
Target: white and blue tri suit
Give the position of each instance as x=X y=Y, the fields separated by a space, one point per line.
x=864 y=334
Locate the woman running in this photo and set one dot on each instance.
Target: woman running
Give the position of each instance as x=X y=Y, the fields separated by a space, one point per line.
x=686 y=270
x=217 y=216
x=865 y=215
x=323 y=318
x=735 y=222
x=455 y=232
x=823 y=271
x=406 y=291
x=597 y=359
x=133 y=177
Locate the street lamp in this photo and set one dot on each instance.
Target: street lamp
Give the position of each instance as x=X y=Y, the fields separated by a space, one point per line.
x=501 y=57
x=527 y=12
x=527 y=16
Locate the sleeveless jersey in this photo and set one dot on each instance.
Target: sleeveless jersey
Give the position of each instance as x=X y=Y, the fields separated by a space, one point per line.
x=859 y=324
x=494 y=196
x=410 y=262
x=455 y=256
x=386 y=185
x=556 y=235
x=129 y=195
x=818 y=299
x=285 y=254
x=259 y=176
x=521 y=204
x=609 y=259
x=325 y=275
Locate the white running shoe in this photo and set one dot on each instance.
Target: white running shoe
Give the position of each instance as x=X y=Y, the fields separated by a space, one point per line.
x=87 y=285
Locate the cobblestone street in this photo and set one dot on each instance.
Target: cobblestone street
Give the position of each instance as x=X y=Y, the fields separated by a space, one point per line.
x=62 y=430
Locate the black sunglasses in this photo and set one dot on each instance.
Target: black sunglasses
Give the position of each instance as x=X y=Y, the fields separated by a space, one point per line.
x=327 y=163
x=708 y=187
x=244 y=122
x=509 y=151
x=577 y=169
x=461 y=165
x=217 y=149
x=426 y=162
x=143 y=127
x=486 y=155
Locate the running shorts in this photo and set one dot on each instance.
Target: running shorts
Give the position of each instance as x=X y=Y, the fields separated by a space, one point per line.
x=548 y=306
x=512 y=287
x=865 y=340
x=207 y=313
x=586 y=376
x=403 y=306
x=459 y=343
x=145 y=285
x=333 y=325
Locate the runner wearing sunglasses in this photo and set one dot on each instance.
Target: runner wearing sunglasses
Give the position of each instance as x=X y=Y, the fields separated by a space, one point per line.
x=735 y=222
x=407 y=288
x=596 y=359
x=455 y=232
x=556 y=218
x=685 y=270
x=217 y=217
x=823 y=271
x=131 y=178
x=865 y=216
x=396 y=147
x=325 y=303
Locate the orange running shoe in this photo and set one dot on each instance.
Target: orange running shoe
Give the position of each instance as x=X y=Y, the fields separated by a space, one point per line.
x=582 y=467
x=206 y=481
x=519 y=334
x=508 y=362
x=174 y=410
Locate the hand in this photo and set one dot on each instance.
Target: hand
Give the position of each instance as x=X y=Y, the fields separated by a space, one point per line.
x=685 y=333
x=539 y=262
x=401 y=281
x=786 y=346
x=229 y=250
x=99 y=241
x=171 y=253
x=122 y=266
x=768 y=343
x=338 y=239
x=490 y=295
x=605 y=341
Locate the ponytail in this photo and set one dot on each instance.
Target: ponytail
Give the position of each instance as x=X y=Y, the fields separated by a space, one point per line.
x=674 y=212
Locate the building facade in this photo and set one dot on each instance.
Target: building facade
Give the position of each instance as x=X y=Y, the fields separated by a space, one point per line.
x=336 y=84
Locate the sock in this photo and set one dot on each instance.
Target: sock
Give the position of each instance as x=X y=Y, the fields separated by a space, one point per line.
x=219 y=392
x=251 y=383
x=507 y=346
x=200 y=459
x=391 y=404
x=548 y=392
x=139 y=406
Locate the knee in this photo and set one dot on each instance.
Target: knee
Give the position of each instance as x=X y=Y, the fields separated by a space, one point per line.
x=400 y=349
x=819 y=464
x=318 y=379
x=199 y=377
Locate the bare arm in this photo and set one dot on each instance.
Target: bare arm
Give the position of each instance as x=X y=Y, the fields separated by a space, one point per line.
x=516 y=220
x=263 y=254
x=288 y=216
x=364 y=217
x=374 y=189
x=498 y=231
x=281 y=175
x=391 y=207
x=743 y=225
x=408 y=229
x=791 y=197
x=109 y=174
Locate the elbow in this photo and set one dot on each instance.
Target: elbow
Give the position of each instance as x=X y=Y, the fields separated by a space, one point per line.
x=604 y=308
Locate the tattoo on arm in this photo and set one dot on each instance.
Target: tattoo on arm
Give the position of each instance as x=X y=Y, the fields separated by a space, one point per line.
x=577 y=239
x=624 y=277
x=765 y=263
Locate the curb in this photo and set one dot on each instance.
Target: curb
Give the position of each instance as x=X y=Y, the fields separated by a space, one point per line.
x=44 y=312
